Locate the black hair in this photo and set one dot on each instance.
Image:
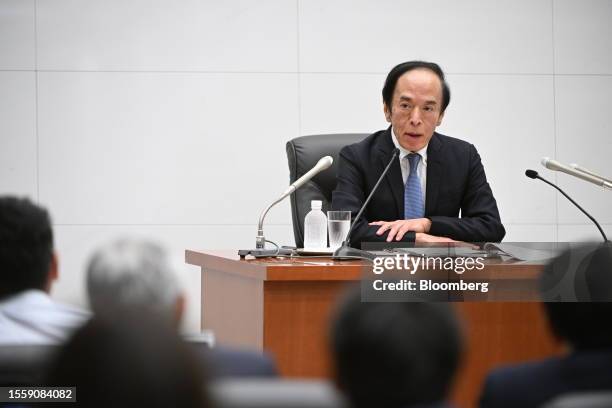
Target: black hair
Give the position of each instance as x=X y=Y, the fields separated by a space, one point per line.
x=583 y=324
x=26 y=245
x=401 y=69
x=394 y=354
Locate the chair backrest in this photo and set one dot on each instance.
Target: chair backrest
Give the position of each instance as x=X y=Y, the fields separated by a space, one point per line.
x=302 y=154
x=592 y=399
x=25 y=365
x=275 y=394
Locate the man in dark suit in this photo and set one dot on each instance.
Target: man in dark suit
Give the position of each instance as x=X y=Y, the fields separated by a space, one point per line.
x=435 y=178
x=584 y=327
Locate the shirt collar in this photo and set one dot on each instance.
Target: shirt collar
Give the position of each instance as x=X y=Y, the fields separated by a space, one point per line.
x=404 y=152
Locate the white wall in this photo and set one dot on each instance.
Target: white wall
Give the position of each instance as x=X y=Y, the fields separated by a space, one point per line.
x=168 y=119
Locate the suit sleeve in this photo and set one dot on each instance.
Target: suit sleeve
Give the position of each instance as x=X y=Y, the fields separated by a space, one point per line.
x=480 y=221
x=350 y=194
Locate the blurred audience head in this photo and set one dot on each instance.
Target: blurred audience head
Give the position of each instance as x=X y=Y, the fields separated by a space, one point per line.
x=132 y=360
x=133 y=273
x=587 y=270
x=394 y=354
x=27 y=260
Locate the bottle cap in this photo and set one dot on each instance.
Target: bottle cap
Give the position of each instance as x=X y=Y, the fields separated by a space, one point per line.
x=316 y=204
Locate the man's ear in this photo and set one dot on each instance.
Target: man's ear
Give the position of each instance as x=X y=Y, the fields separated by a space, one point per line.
x=387 y=111
x=53 y=272
x=440 y=119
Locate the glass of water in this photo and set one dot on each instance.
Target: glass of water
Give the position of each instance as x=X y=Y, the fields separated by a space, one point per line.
x=338 y=225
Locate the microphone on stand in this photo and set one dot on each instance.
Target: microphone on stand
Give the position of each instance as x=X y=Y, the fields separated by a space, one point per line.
x=554 y=165
x=260 y=241
x=345 y=249
x=534 y=175
x=587 y=171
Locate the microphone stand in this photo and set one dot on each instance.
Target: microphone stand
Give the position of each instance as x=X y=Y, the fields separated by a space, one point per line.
x=345 y=249
x=575 y=172
x=534 y=175
x=260 y=239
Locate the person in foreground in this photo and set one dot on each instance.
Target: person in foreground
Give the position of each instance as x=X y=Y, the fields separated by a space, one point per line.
x=132 y=360
x=585 y=328
x=129 y=273
x=434 y=178
x=28 y=267
x=393 y=354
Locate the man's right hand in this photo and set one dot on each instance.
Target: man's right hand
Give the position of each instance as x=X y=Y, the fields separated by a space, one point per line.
x=396 y=229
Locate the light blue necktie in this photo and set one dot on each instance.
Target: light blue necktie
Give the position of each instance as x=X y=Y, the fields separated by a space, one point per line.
x=413 y=197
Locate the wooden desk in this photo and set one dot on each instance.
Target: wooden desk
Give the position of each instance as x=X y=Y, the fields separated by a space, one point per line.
x=284 y=305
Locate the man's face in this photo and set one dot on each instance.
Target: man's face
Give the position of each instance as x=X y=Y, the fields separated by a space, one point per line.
x=415 y=111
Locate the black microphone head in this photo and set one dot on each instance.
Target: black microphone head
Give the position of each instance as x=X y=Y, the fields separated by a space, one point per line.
x=531 y=173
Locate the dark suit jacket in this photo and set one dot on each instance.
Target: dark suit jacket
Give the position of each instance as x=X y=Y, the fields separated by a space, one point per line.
x=455 y=181
x=533 y=384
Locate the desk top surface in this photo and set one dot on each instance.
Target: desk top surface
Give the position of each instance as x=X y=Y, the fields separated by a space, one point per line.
x=324 y=268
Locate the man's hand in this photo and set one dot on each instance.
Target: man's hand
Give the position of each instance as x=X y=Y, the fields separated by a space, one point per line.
x=398 y=228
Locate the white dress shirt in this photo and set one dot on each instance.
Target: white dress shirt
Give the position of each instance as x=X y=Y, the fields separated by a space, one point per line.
x=32 y=317
x=405 y=163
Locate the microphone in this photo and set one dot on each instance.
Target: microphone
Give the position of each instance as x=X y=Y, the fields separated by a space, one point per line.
x=345 y=249
x=587 y=171
x=323 y=164
x=556 y=166
x=260 y=241
x=534 y=175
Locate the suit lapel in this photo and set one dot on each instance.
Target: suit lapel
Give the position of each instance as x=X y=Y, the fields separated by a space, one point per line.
x=434 y=174
x=394 y=176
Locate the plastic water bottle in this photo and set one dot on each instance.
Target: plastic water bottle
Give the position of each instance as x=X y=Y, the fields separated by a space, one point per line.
x=315 y=227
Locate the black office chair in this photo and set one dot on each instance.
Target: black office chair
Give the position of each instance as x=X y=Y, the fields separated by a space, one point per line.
x=303 y=153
